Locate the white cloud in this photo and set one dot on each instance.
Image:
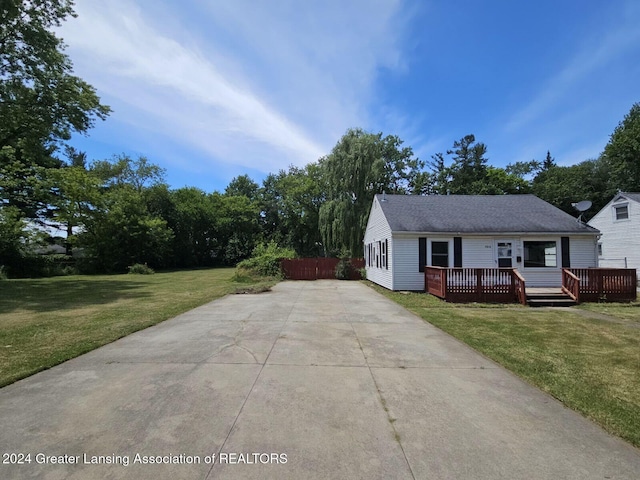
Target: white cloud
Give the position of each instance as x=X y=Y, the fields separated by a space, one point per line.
x=258 y=84
x=597 y=53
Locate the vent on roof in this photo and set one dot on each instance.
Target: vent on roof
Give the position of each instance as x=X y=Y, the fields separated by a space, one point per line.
x=384 y=196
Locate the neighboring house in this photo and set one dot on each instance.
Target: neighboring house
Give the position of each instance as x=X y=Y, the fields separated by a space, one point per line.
x=405 y=233
x=619 y=225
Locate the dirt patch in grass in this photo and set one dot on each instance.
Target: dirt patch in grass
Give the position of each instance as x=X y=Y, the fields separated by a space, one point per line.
x=622 y=311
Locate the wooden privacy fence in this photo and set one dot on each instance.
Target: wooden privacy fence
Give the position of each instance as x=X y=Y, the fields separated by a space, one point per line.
x=597 y=284
x=487 y=285
x=318 y=268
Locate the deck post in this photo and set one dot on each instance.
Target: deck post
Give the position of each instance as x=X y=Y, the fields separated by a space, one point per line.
x=444 y=279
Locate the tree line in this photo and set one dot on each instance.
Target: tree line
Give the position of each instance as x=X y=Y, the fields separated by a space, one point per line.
x=120 y=211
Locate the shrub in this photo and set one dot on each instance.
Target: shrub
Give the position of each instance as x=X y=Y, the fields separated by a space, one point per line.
x=265 y=259
x=141 y=269
x=69 y=270
x=3 y=273
x=343 y=269
x=33 y=265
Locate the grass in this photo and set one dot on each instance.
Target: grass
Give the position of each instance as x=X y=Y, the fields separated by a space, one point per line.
x=621 y=311
x=592 y=365
x=44 y=322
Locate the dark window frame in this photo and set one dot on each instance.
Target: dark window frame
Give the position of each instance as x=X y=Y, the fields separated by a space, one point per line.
x=540 y=258
x=440 y=259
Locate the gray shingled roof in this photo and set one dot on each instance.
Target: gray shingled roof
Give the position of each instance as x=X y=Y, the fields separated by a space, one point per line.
x=477 y=214
x=631 y=196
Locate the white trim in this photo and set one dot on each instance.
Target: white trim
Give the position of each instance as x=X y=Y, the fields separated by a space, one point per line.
x=513 y=250
x=405 y=233
x=614 y=212
x=448 y=241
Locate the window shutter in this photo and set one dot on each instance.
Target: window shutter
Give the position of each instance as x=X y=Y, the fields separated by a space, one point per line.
x=386 y=249
x=457 y=252
x=566 y=256
x=422 y=253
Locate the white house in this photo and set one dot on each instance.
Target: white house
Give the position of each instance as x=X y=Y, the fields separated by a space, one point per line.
x=619 y=224
x=405 y=233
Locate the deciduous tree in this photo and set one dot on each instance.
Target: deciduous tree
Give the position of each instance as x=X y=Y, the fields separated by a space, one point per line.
x=622 y=153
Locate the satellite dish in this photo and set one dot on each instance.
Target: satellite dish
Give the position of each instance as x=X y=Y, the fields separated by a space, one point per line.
x=582 y=206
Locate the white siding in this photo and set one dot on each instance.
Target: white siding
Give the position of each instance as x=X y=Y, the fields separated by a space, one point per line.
x=540 y=278
x=378 y=230
x=478 y=252
x=620 y=238
x=405 y=264
x=583 y=252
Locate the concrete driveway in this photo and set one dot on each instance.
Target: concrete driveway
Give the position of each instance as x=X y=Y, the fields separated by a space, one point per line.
x=320 y=379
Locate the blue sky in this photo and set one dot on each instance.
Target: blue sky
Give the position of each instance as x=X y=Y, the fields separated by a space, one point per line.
x=214 y=89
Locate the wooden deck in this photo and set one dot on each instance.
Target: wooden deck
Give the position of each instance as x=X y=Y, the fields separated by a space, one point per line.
x=600 y=284
x=482 y=285
x=506 y=285
x=543 y=290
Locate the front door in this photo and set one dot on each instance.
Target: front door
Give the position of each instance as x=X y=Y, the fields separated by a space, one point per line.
x=504 y=249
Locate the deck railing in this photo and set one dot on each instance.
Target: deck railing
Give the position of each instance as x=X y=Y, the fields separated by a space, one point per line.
x=519 y=287
x=436 y=281
x=506 y=285
x=601 y=284
x=463 y=285
x=571 y=284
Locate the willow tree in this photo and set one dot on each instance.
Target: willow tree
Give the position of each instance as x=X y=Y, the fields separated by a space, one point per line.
x=359 y=166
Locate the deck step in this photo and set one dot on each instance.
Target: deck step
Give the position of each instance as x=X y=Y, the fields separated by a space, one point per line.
x=541 y=302
x=550 y=300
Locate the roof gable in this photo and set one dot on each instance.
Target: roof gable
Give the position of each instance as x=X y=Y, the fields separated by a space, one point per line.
x=477 y=214
x=621 y=196
x=605 y=212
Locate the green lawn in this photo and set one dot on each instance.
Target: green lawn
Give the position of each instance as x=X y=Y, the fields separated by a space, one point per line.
x=44 y=322
x=629 y=312
x=590 y=364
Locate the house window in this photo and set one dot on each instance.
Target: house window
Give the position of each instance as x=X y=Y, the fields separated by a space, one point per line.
x=621 y=212
x=384 y=254
x=540 y=254
x=599 y=249
x=440 y=254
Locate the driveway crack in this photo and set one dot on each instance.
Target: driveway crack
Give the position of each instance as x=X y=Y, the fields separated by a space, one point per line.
x=383 y=401
x=235 y=421
x=235 y=343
